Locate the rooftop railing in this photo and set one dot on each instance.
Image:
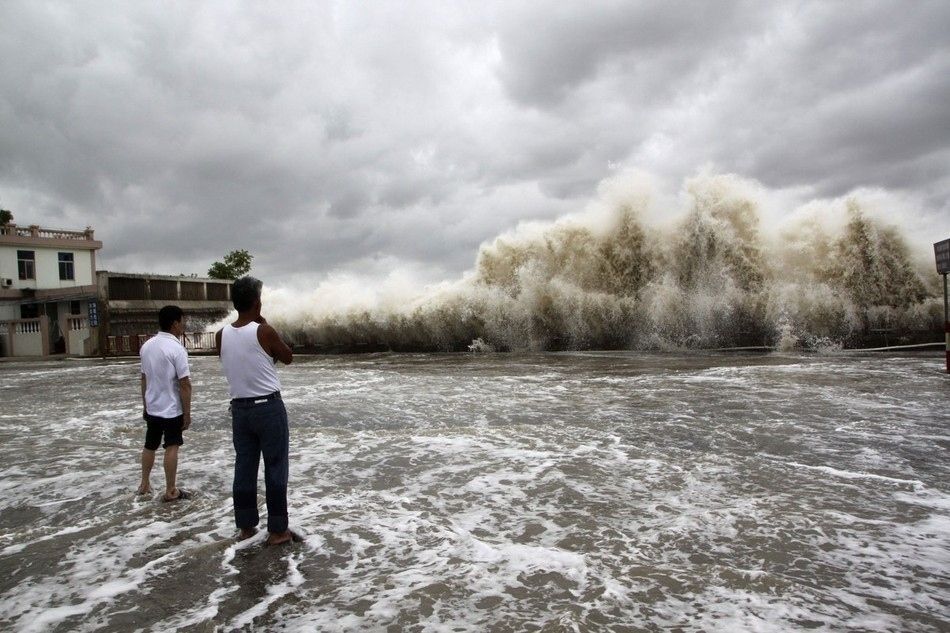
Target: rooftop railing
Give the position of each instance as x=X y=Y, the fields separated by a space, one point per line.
x=55 y=234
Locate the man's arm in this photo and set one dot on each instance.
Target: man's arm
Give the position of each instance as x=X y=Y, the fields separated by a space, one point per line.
x=184 y=387
x=144 y=410
x=270 y=340
x=180 y=362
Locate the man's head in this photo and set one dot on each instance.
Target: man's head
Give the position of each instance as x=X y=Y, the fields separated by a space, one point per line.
x=171 y=319
x=246 y=294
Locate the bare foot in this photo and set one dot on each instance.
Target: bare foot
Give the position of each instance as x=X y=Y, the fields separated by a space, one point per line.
x=144 y=490
x=180 y=493
x=279 y=538
x=246 y=533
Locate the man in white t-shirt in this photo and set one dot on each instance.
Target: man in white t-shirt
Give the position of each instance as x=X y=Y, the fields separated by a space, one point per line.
x=166 y=398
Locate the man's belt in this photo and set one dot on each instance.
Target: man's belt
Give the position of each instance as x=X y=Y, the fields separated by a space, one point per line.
x=256 y=399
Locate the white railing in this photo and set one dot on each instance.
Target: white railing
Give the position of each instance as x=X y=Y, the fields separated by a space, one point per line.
x=132 y=343
x=27 y=326
x=77 y=333
x=36 y=231
x=198 y=341
x=23 y=337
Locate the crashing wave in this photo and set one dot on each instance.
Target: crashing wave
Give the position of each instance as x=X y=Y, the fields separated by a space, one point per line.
x=610 y=278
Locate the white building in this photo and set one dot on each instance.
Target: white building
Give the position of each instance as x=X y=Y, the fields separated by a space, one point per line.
x=48 y=291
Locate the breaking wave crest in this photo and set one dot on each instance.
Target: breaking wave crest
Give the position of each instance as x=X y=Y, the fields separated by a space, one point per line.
x=628 y=274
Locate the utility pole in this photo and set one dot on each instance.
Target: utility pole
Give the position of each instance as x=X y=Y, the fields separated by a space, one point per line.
x=942 y=253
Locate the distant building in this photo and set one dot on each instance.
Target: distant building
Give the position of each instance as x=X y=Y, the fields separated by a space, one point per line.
x=129 y=305
x=47 y=285
x=54 y=301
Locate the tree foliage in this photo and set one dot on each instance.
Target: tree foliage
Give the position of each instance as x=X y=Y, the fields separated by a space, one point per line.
x=5 y=217
x=236 y=264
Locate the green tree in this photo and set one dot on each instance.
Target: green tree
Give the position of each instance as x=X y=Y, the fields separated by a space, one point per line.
x=236 y=264
x=5 y=217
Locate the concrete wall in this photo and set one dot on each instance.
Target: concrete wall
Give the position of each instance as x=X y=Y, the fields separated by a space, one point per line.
x=27 y=342
x=47 y=267
x=78 y=335
x=27 y=337
x=8 y=265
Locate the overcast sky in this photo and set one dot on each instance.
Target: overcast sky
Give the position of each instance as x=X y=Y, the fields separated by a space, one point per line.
x=368 y=136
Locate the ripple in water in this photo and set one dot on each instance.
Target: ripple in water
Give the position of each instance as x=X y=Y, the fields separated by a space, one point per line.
x=597 y=491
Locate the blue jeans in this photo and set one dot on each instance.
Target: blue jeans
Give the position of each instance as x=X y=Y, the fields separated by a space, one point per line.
x=260 y=429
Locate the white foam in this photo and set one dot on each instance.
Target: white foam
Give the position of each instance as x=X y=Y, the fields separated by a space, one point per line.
x=274 y=593
x=846 y=474
x=467 y=500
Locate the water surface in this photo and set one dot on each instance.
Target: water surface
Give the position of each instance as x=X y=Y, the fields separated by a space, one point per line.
x=556 y=492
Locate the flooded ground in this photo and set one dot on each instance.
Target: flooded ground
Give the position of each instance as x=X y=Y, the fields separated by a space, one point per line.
x=555 y=492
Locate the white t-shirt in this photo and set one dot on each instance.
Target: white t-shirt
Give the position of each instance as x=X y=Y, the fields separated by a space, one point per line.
x=164 y=363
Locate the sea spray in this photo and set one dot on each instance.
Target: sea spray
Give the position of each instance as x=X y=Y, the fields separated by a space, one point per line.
x=616 y=277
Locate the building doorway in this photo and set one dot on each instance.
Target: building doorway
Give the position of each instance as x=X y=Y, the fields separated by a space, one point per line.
x=57 y=340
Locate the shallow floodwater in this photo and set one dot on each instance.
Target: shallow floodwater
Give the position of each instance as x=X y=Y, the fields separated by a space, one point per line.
x=555 y=492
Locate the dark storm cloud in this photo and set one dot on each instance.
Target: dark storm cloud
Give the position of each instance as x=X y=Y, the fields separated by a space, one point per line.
x=320 y=136
x=553 y=48
x=836 y=111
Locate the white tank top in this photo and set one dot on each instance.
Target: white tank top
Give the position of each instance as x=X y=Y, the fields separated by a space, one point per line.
x=248 y=368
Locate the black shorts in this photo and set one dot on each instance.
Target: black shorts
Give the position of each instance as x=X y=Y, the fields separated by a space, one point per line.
x=170 y=427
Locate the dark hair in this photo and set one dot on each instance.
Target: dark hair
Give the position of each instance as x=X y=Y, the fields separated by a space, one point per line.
x=168 y=315
x=244 y=292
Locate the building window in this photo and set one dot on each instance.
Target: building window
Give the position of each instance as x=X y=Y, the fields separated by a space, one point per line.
x=26 y=264
x=74 y=308
x=29 y=311
x=66 y=266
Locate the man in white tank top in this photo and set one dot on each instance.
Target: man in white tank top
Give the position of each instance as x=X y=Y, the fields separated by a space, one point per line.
x=249 y=349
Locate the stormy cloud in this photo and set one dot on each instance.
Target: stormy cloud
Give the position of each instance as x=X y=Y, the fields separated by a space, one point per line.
x=329 y=137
